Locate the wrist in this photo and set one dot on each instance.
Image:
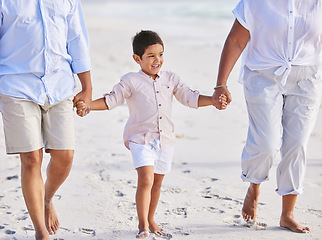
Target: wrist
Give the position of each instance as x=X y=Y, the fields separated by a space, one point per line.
x=87 y=89
x=220 y=86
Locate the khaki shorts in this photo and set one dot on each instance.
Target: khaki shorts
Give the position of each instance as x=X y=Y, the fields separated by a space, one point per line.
x=29 y=126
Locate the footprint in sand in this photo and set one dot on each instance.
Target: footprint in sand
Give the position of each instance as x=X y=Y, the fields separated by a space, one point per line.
x=12 y=177
x=178 y=211
x=214 y=210
x=235 y=220
x=315 y=212
x=181 y=232
x=87 y=231
x=238 y=221
x=119 y=194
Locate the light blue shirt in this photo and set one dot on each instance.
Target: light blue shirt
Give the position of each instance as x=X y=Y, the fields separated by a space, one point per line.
x=42 y=43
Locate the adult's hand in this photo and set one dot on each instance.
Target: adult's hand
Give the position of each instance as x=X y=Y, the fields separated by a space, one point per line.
x=216 y=97
x=86 y=94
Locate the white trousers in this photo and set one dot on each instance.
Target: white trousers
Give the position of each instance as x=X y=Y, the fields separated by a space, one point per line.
x=281 y=119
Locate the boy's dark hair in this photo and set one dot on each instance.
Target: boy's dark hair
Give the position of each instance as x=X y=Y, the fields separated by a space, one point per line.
x=144 y=39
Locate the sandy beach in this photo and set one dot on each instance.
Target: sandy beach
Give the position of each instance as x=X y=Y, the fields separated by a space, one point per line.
x=202 y=196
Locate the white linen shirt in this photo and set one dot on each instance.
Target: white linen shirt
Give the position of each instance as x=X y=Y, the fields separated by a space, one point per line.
x=42 y=43
x=282 y=33
x=150 y=105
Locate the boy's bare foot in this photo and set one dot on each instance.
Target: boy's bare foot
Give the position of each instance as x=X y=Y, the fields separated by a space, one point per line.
x=154 y=227
x=249 y=210
x=42 y=235
x=290 y=223
x=158 y=231
x=142 y=234
x=51 y=218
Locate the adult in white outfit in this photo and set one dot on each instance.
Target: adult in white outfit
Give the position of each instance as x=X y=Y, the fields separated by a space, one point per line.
x=281 y=43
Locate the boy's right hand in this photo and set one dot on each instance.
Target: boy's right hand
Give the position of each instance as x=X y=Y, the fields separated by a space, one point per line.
x=221 y=98
x=81 y=108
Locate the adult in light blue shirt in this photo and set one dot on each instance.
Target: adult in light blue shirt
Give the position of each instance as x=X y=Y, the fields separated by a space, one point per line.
x=40 y=49
x=43 y=44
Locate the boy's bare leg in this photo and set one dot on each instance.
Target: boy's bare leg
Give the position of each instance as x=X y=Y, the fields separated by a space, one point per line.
x=57 y=171
x=287 y=218
x=249 y=210
x=34 y=191
x=155 y=195
x=143 y=197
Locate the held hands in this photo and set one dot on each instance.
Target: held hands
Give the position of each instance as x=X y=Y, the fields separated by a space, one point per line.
x=81 y=109
x=84 y=97
x=221 y=98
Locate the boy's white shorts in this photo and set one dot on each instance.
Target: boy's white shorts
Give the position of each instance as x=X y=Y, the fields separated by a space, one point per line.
x=29 y=126
x=151 y=155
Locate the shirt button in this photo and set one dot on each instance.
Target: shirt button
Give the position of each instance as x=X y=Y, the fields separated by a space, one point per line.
x=160 y=130
x=160 y=117
x=291 y=11
x=157 y=91
x=159 y=104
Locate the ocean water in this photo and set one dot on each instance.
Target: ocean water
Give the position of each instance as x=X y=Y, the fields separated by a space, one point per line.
x=206 y=10
x=199 y=22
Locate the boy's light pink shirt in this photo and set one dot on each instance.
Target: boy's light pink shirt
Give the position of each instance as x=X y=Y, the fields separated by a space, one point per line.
x=150 y=105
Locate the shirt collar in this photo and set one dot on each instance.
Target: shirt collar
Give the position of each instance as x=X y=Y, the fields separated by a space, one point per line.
x=158 y=74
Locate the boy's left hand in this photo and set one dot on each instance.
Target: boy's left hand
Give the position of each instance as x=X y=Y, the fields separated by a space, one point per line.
x=223 y=100
x=81 y=108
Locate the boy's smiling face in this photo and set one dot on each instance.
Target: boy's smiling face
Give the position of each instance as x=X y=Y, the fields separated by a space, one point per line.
x=151 y=60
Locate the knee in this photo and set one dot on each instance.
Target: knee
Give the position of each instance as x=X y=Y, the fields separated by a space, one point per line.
x=68 y=157
x=63 y=157
x=270 y=151
x=156 y=186
x=157 y=182
x=268 y=147
x=263 y=150
x=145 y=181
x=30 y=161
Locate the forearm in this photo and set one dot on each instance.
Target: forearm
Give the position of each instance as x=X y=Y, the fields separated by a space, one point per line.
x=86 y=94
x=86 y=82
x=99 y=104
x=204 y=101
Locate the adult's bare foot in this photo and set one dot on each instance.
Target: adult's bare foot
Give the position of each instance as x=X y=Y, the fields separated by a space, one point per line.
x=249 y=210
x=51 y=218
x=290 y=223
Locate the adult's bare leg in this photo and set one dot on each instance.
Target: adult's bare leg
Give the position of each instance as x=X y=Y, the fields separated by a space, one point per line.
x=287 y=218
x=249 y=210
x=34 y=191
x=58 y=170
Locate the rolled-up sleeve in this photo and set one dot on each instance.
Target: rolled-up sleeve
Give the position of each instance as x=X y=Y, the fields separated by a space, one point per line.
x=185 y=95
x=117 y=96
x=77 y=40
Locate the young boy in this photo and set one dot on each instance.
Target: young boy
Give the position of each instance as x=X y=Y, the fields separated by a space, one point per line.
x=149 y=132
